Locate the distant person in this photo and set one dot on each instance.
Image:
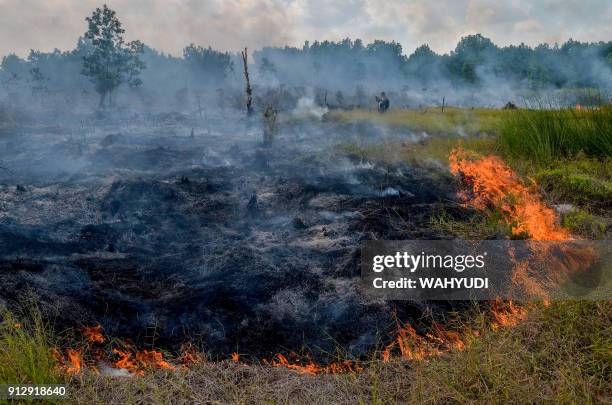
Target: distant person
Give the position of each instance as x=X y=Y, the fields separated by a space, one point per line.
x=383 y=102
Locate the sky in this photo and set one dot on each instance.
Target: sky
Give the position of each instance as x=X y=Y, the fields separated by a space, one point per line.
x=170 y=25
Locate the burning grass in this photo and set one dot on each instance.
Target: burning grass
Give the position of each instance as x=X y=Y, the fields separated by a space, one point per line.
x=492 y=186
x=556 y=353
x=120 y=358
x=508 y=353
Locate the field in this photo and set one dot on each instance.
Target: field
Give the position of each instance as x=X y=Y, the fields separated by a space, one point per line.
x=543 y=352
x=566 y=152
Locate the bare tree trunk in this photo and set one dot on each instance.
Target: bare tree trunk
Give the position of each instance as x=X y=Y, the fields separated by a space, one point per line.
x=249 y=92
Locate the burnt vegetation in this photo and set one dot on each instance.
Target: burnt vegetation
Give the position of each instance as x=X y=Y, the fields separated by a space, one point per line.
x=211 y=202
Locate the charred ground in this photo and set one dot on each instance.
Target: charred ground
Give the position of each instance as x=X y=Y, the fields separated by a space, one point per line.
x=163 y=237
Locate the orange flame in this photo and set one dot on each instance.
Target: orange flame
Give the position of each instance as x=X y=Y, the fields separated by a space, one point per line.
x=126 y=361
x=153 y=359
x=507 y=315
x=190 y=356
x=235 y=357
x=93 y=334
x=413 y=346
x=72 y=363
x=494 y=185
x=143 y=360
x=448 y=338
x=311 y=368
x=74 y=357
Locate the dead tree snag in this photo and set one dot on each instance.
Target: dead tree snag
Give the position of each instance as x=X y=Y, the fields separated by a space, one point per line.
x=249 y=92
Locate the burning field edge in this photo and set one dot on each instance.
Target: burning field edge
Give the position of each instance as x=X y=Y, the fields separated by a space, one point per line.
x=557 y=353
x=500 y=352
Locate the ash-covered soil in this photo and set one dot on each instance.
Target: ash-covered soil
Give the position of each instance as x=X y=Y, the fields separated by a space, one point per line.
x=163 y=238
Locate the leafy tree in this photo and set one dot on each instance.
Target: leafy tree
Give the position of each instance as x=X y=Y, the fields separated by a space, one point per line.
x=471 y=52
x=13 y=68
x=423 y=63
x=37 y=77
x=214 y=65
x=110 y=61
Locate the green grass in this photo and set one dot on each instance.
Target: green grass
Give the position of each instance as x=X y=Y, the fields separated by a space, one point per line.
x=545 y=135
x=436 y=148
x=455 y=121
x=585 y=224
x=26 y=350
x=581 y=180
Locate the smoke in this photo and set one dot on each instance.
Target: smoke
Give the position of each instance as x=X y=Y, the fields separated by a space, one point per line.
x=342 y=74
x=306 y=107
x=166 y=213
x=207 y=237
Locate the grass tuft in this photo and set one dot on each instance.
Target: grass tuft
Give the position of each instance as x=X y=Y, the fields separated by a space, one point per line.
x=545 y=135
x=26 y=350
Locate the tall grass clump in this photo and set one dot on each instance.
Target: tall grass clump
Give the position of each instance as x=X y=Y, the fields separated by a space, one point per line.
x=543 y=135
x=25 y=350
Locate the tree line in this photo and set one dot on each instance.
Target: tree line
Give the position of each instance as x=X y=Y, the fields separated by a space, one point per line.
x=103 y=62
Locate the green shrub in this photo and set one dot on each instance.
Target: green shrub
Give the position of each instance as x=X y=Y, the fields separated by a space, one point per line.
x=585 y=224
x=578 y=187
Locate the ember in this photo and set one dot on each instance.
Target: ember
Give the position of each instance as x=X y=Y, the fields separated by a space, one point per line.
x=141 y=361
x=312 y=368
x=413 y=346
x=93 y=334
x=506 y=314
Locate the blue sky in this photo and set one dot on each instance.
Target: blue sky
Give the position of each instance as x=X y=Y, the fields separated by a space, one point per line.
x=169 y=25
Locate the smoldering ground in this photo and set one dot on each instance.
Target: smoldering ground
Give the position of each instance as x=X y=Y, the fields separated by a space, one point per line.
x=164 y=237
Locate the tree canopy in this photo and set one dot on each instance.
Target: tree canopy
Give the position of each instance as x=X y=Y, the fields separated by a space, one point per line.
x=110 y=61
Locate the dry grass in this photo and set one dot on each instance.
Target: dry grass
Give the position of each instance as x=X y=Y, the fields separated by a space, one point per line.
x=232 y=383
x=560 y=354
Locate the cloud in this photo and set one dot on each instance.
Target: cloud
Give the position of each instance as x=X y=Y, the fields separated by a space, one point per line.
x=169 y=25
